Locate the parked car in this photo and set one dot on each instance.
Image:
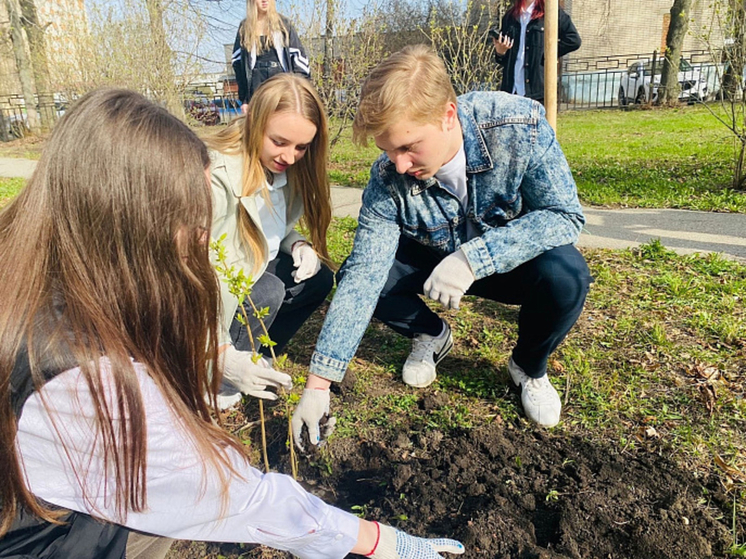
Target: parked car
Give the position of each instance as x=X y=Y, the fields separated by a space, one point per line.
x=634 y=86
x=203 y=110
x=228 y=107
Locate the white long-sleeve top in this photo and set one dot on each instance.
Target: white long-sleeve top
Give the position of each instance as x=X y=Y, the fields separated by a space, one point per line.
x=519 y=85
x=183 y=497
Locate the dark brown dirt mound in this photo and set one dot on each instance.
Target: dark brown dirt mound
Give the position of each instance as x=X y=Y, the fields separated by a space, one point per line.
x=526 y=494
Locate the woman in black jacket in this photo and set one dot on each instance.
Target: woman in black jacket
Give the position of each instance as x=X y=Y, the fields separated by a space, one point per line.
x=519 y=47
x=266 y=44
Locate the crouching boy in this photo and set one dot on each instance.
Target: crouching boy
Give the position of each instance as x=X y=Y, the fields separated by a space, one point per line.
x=472 y=196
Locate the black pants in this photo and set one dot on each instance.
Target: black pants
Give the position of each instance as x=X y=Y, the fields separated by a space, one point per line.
x=550 y=290
x=290 y=304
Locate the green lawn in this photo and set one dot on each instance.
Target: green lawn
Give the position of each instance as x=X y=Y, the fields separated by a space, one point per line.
x=9 y=188
x=674 y=158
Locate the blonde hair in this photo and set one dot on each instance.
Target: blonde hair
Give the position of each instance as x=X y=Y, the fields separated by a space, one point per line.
x=412 y=83
x=250 y=31
x=114 y=268
x=307 y=177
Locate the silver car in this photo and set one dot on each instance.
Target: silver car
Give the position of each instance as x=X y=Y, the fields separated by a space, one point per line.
x=635 y=86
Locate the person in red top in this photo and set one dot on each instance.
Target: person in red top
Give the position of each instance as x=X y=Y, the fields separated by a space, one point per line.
x=519 y=47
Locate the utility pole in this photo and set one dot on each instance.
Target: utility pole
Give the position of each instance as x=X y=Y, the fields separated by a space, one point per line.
x=551 y=36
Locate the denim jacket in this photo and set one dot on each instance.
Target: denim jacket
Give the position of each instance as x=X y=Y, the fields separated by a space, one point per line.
x=522 y=201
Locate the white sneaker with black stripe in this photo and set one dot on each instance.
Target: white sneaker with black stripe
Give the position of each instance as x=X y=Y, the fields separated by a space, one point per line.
x=427 y=352
x=540 y=400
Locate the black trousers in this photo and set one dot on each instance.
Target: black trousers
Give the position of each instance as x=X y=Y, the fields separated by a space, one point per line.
x=290 y=304
x=550 y=289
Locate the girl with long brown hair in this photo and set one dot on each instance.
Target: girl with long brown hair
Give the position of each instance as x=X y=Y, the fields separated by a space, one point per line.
x=108 y=320
x=268 y=174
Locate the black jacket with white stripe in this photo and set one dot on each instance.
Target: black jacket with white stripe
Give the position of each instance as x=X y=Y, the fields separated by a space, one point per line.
x=290 y=52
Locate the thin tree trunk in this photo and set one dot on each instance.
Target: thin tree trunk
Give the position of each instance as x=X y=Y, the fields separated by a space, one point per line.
x=165 y=86
x=669 y=90
x=739 y=172
x=734 y=55
x=328 y=45
x=23 y=63
x=38 y=49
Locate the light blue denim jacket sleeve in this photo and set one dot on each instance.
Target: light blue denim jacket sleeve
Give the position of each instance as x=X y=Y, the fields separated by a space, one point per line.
x=522 y=202
x=365 y=273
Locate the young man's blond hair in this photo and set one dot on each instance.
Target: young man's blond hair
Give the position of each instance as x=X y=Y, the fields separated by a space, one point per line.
x=410 y=84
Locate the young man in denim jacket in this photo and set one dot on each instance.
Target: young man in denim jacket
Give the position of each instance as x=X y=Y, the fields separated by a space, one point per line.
x=472 y=196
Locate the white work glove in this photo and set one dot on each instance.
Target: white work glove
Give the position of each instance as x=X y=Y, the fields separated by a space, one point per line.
x=395 y=544
x=313 y=406
x=251 y=378
x=449 y=280
x=306 y=260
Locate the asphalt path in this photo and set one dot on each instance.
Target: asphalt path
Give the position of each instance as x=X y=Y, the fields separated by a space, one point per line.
x=683 y=231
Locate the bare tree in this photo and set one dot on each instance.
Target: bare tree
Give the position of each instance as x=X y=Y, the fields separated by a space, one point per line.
x=734 y=54
x=730 y=23
x=23 y=63
x=151 y=46
x=460 y=37
x=40 y=66
x=164 y=82
x=328 y=41
x=669 y=90
x=357 y=49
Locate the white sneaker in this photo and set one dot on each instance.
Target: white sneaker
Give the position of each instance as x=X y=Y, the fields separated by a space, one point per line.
x=540 y=400
x=427 y=352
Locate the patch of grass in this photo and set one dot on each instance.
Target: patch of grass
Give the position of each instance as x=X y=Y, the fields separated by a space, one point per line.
x=9 y=188
x=663 y=158
x=349 y=164
x=24 y=148
x=340 y=237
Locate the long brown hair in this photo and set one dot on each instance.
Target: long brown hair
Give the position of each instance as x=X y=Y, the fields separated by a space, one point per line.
x=104 y=249
x=250 y=31
x=307 y=177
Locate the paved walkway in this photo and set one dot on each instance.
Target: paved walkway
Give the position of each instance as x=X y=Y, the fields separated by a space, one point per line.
x=684 y=231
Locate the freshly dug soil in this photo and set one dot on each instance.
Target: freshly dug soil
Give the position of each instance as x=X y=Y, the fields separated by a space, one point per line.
x=515 y=492
x=506 y=492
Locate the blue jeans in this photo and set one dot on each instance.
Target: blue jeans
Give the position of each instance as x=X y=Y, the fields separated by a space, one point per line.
x=550 y=290
x=290 y=304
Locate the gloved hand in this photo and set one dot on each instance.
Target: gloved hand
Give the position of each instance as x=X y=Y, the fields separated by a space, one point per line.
x=306 y=260
x=313 y=406
x=395 y=544
x=251 y=378
x=449 y=280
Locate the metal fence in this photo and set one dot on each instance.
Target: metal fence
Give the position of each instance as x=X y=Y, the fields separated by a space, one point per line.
x=618 y=81
x=585 y=83
x=14 y=118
